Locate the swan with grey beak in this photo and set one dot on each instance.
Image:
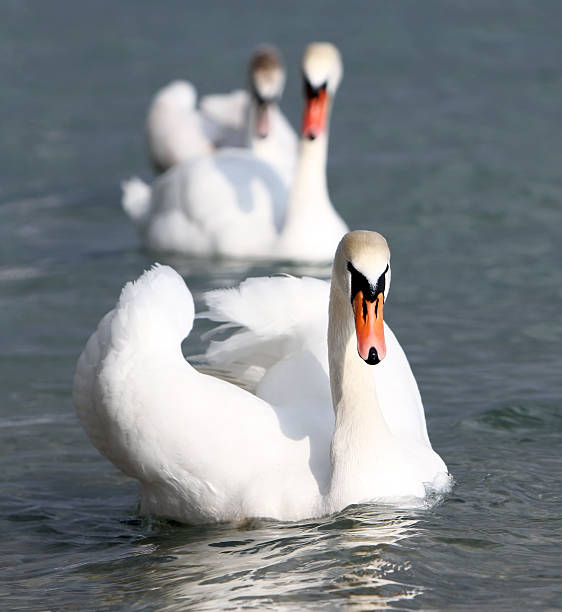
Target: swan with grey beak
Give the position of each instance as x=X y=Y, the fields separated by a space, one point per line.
x=177 y=131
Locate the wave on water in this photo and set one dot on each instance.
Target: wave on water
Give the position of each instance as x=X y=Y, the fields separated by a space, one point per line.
x=17 y=273
x=518 y=417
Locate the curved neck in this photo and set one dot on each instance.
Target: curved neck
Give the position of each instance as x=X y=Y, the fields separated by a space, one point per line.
x=309 y=192
x=360 y=428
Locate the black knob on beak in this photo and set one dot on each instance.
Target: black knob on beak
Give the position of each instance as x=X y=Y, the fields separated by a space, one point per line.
x=373 y=357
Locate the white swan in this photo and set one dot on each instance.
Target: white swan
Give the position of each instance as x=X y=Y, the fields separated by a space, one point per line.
x=205 y=450
x=234 y=204
x=253 y=119
x=176 y=130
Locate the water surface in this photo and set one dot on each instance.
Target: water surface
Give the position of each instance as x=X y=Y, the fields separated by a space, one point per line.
x=446 y=138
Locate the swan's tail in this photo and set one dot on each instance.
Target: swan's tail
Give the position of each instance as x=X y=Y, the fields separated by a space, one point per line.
x=136 y=200
x=155 y=309
x=138 y=339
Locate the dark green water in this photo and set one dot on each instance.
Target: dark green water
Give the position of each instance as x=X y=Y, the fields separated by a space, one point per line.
x=446 y=138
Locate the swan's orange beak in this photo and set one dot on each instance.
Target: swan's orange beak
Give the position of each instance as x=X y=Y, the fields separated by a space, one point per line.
x=315 y=114
x=369 y=328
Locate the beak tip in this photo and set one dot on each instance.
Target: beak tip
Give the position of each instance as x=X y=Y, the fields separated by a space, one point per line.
x=373 y=357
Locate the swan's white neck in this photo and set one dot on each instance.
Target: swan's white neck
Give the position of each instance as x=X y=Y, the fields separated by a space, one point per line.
x=309 y=193
x=312 y=228
x=361 y=433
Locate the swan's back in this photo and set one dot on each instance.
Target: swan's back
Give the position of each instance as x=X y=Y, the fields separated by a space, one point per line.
x=150 y=316
x=175 y=130
x=204 y=450
x=229 y=203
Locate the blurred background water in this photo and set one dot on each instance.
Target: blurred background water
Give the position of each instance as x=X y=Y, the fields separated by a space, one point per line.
x=446 y=138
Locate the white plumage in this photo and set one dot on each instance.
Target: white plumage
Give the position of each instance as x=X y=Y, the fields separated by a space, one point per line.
x=206 y=450
x=237 y=202
x=178 y=131
x=175 y=129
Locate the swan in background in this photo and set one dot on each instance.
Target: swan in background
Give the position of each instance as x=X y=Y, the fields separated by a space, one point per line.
x=176 y=130
x=313 y=228
x=234 y=204
x=206 y=450
x=253 y=119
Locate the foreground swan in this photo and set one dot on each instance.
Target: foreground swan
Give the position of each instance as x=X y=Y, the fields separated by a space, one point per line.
x=177 y=131
x=206 y=450
x=234 y=204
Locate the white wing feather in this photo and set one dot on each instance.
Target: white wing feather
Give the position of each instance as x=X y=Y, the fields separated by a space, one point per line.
x=280 y=351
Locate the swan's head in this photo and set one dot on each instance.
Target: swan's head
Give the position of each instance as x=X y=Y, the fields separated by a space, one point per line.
x=267 y=81
x=322 y=72
x=362 y=273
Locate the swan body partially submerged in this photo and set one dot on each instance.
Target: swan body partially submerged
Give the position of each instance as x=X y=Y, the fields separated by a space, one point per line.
x=235 y=203
x=322 y=426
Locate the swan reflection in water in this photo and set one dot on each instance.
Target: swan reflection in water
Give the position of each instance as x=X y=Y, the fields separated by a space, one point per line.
x=351 y=558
